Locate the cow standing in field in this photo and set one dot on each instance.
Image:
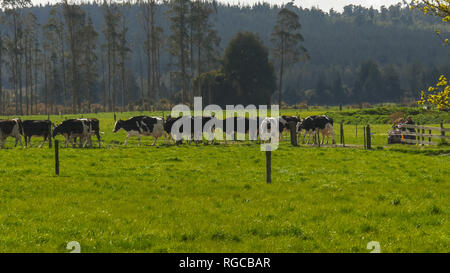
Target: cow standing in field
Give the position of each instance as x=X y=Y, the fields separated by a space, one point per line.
x=240 y=125
x=325 y=126
x=41 y=128
x=11 y=128
x=141 y=125
x=72 y=129
x=199 y=133
x=316 y=125
x=168 y=123
x=93 y=129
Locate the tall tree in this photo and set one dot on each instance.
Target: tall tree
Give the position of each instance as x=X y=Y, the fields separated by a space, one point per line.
x=123 y=51
x=110 y=30
x=179 y=41
x=152 y=46
x=286 y=38
x=75 y=21
x=248 y=69
x=13 y=11
x=90 y=73
x=58 y=25
x=31 y=27
x=204 y=38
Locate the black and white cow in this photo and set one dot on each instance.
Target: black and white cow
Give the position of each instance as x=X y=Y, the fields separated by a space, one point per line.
x=170 y=121
x=41 y=128
x=325 y=126
x=231 y=126
x=168 y=124
x=93 y=129
x=141 y=125
x=72 y=129
x=199 y=133
x=316 y=125
x=11 y=128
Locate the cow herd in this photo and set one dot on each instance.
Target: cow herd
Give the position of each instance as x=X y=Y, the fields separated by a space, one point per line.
x=84 y=128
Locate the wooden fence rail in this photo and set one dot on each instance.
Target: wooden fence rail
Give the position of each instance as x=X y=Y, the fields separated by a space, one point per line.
x=419 y=134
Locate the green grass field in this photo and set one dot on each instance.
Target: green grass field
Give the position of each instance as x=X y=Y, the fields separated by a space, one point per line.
x=214 y=198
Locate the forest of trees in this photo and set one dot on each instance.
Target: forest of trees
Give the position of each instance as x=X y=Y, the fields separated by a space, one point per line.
x=110 y=56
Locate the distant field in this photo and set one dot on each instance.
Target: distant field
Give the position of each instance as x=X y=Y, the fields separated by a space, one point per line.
x=213 y=198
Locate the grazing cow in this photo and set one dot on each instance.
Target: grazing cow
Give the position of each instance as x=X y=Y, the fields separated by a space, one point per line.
x=234 y=127
x=316 y=124
x=141 y=125
x=289 y=119
x=168 y=123
x=36 y=128
x=71 y=129
x=93 y=129
x=325 y=126
x=308 y=125
x=199 y=133
x=11 y=128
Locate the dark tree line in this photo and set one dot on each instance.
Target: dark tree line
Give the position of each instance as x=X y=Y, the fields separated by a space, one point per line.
x=110 y=56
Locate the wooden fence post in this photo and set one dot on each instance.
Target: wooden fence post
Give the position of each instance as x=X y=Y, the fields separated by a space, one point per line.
x=365 y=138
x=269 y=167
x=417 y=134
x=114 y=116
x=292 y=127
x=429 y=137
x=342 y=134
x=423 y=132
x=442 y=127
x=369 y=138
x=56 y=157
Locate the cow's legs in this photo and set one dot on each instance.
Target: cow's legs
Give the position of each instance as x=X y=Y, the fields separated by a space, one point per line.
x=154 y=142
x=66 y=144
x=40 y=146
x=99 y=140
x=126 y=140
x=18 y=140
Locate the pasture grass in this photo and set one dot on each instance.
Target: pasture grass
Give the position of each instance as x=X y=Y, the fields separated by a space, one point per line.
x=214 y=198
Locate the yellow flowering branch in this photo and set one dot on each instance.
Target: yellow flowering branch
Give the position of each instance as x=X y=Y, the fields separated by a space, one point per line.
x=438 y=95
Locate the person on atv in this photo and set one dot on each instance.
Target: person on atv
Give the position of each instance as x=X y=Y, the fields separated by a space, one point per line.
x=409 y=121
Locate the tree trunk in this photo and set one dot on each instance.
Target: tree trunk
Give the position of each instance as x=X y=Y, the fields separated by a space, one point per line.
x=281 y=76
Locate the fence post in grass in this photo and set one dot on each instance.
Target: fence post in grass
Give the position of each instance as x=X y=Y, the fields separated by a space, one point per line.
x=365 y=138
x=269 y=167
x=114 y=116
x=292 y=127
x=342 y=134
x=56 y=157
x=442 y=129
x=369 y=139
x=423 y=132
x=429 y=137
x=417 y=134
